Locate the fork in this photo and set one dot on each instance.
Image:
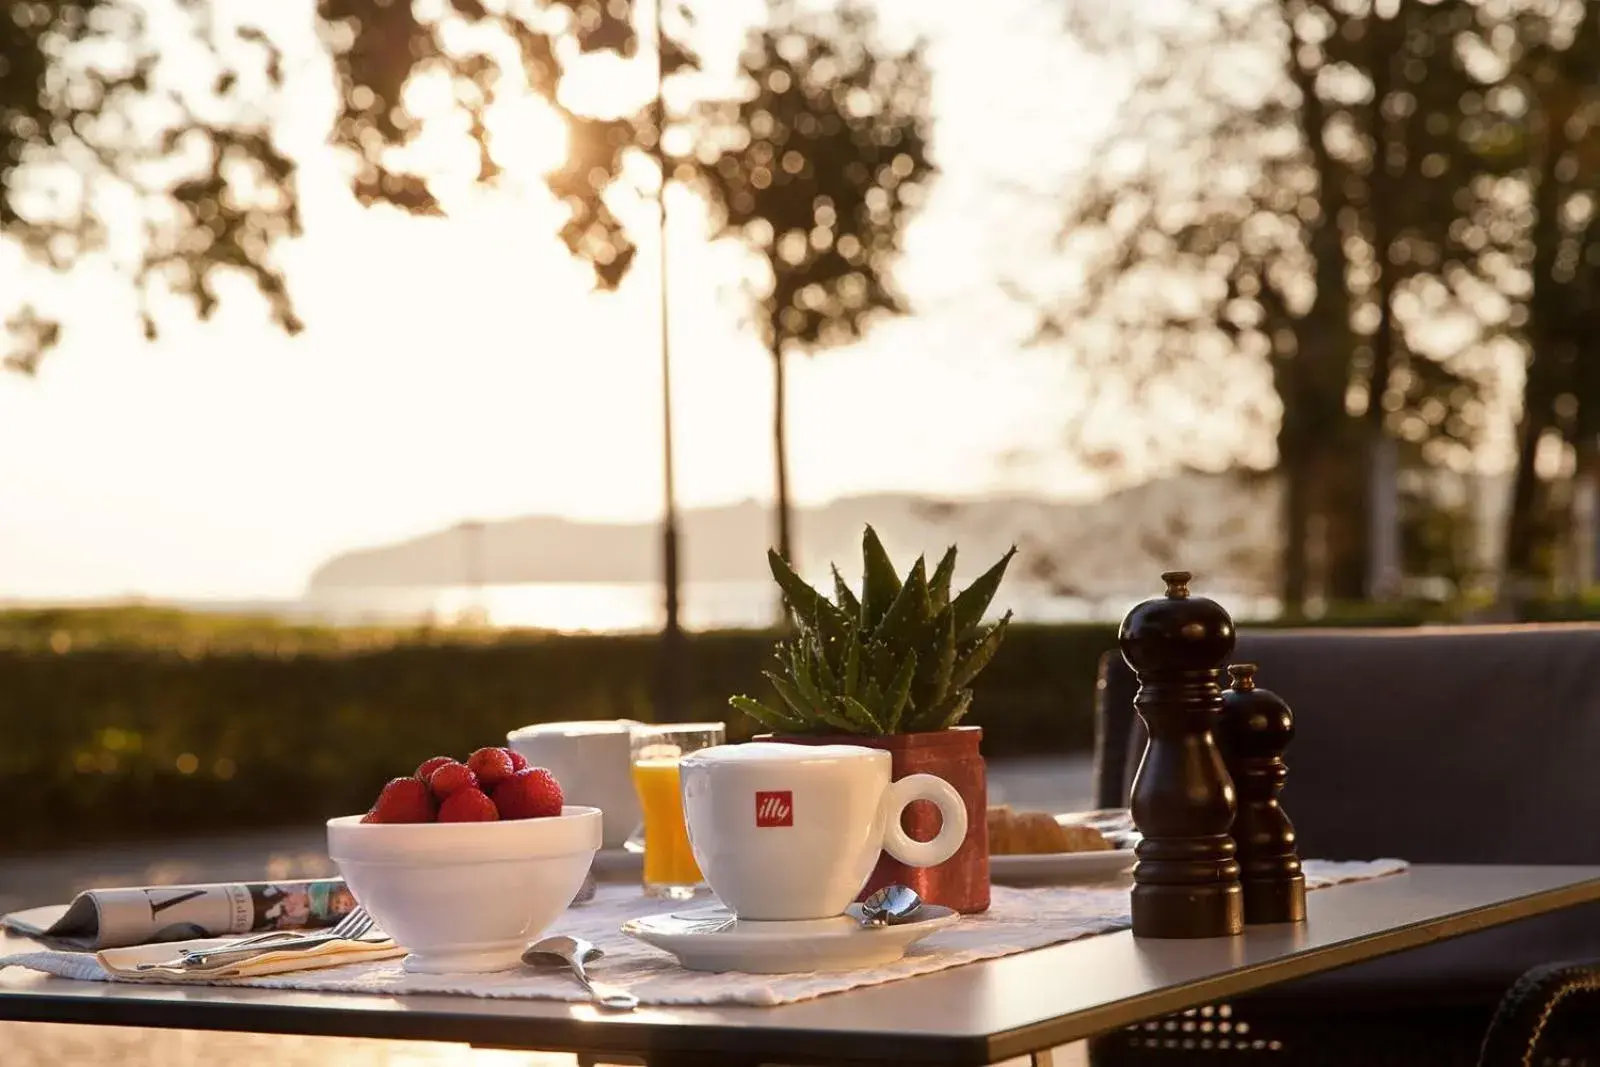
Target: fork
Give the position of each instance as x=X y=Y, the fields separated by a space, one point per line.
x=354 y=917
x=355 y=923
x=353 y=929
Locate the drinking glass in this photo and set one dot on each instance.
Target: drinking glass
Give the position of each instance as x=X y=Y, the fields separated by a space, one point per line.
x=669 y=867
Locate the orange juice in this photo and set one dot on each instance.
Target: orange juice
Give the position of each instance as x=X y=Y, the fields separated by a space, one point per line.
x=668 y=859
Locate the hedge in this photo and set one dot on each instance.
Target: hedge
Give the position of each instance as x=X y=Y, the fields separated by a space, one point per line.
x=138 y=722
x=120 y=742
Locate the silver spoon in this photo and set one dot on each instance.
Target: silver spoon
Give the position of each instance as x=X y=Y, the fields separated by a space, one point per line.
x=575 y=952
x=890 y=906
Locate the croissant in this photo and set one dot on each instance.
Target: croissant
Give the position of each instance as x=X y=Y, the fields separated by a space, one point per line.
x=1016 y=833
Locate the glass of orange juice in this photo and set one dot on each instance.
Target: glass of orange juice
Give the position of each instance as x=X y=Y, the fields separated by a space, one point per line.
x=669 y=867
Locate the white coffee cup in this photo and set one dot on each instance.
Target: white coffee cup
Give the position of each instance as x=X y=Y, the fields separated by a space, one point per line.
x=786 y=832
x=591 y=761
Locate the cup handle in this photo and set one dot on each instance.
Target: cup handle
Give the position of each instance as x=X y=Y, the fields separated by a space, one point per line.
x=952 y=810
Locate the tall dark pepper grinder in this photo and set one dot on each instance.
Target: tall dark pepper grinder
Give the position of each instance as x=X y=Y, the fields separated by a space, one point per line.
x=1186 y=883
x=1256 y=728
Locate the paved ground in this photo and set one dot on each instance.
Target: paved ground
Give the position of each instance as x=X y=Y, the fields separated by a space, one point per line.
x=1047 y=784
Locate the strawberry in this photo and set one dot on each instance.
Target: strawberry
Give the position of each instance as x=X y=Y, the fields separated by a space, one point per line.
x=519 y=762
x=533 y=793
x=430 y=765
x=451 y=778
x=403 y=800
x=468 y=805
x=491 y=765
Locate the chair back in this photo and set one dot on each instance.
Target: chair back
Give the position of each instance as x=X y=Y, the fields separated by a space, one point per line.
x=1458 y=745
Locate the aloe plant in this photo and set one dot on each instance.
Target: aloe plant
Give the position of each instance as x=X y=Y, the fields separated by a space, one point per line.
x=900 y=657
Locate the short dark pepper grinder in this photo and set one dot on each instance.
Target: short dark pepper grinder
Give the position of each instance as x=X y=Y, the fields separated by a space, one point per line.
x=1186 y=883
x=1256 y=728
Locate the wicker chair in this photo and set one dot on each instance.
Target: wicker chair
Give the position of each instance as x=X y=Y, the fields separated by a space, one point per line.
x=1463 y=737
x=1547 y=1017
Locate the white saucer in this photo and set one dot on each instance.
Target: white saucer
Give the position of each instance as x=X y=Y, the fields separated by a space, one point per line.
x=711 y=939
x=1062 y=868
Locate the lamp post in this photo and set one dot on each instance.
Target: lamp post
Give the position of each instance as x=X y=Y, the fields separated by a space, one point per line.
x=669 y=699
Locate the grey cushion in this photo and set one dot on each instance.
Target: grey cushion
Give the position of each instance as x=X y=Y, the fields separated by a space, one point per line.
x=1459 y=745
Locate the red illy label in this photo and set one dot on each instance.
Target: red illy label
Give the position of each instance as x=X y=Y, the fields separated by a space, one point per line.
x=775 y=808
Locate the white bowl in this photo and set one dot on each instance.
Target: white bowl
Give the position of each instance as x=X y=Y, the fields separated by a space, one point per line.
x=466 y=896
x=591 y=761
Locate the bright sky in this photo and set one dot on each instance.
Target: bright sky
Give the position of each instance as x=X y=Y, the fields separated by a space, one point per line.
x=460 y=368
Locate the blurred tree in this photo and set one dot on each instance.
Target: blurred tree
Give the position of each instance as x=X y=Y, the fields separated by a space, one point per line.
x=1270 y=235
x=1551 y=83
x=816 y=170
x=488 y=51
x=136 y=143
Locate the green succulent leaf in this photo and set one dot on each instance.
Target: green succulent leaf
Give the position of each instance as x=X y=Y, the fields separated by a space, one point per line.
x=800 y=671
x=852 y=666
x=791 y=696
x=804 y=602
x=899 y=693
x=939 y=584
x=769 y=717
x=981 y=653
x=840 y=721
x=960 y=704
x=873 y=698
x=879 y=583
x=861 y=711
x=820 y=649
x=974 y=599
x=881 y=662
x=848 y=604
x=909 y=611
x=945 y=668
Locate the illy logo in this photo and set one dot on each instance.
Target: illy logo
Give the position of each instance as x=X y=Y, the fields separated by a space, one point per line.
x=775 y=808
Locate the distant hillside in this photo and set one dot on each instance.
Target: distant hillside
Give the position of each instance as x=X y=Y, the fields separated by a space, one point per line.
x=1221 y=526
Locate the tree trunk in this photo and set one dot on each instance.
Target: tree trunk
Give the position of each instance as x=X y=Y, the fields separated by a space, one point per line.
x=1582 y=506
x=1319 y=370
x=1296 y=533
x=1522 y=534
x=780 y=453
x=1380 y=501
x=1525 y=517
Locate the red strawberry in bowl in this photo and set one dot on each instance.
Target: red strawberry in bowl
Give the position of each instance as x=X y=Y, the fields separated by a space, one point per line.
x=468 y=805
x=425 y=771
x=403 y=800
x=450 y=779
x=492 y=766
x=519 y=762
x=533 y=793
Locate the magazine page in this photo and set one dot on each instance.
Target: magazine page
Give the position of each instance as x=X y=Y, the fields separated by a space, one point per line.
x=118 y=918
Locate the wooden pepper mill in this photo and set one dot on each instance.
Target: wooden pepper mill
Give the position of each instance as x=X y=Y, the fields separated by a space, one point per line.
x=1256 y=728
x=1186 y=883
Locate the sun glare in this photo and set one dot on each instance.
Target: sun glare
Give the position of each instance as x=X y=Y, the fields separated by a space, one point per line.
x=527 y=136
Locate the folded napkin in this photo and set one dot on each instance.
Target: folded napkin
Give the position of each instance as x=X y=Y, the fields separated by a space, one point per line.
x=122 y=964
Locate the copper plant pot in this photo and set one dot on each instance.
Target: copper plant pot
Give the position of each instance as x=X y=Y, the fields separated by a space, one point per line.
x=961 y=882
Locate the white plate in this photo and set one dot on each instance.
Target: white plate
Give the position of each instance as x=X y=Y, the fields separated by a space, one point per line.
x=710 y=939
x=1062 y=868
